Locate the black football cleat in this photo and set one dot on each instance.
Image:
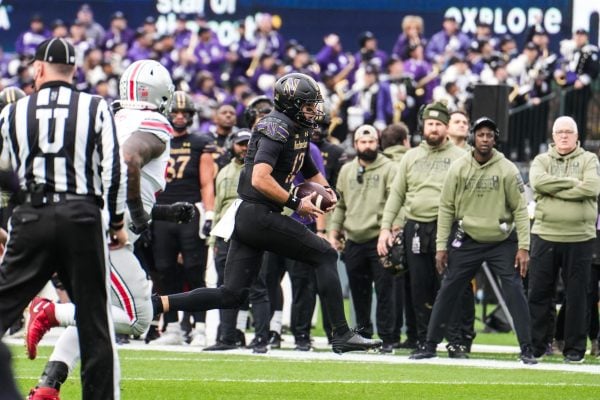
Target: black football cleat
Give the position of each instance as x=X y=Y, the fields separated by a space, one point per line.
x=352 y=341
x=425 y=351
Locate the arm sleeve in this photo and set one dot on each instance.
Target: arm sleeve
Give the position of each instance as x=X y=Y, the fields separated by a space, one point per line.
x=589 y=187
x=267 y=151
x=447 y=209
x=397 y=195
x=543 y=182
x=114 y=171
x=515 y=197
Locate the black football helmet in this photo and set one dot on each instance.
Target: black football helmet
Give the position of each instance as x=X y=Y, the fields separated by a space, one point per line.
x=294 y=90
x=10 y=95
x=182 y=102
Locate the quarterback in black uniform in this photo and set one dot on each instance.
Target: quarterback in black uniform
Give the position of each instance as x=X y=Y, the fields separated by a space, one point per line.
x=190 y=179
x=277 y=151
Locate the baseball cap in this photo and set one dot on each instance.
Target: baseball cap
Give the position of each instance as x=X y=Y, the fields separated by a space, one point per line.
x=240 y=136
x=581 y=31
x=485 y=121
x=437 y=111
x=55 y=51
x=367 y=131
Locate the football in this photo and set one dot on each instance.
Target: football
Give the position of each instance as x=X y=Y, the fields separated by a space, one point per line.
x=322 y=200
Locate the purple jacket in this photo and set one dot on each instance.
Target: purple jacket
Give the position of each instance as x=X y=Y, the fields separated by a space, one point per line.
x=401 y=46
x=418 y=69
x=111 y=39
x=330 y=61
x=439 y=41
x=210 y=56
x=28 y=41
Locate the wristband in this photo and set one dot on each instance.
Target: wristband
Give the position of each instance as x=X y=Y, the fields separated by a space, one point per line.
x=292 y=202
x=209 y=215
x=116 y=226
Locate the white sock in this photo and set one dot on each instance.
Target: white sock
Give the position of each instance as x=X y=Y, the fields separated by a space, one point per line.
x=242 y=320
x=201 y=327
x=67 y=348
x=65 y=314
x=276 y=321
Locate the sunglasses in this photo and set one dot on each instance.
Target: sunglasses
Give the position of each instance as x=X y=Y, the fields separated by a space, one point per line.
x=359 y=174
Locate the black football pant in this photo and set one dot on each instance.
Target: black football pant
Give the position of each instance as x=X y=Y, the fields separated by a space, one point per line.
x=8 y=388
x=67 y=239
x=258 y=229
x=574 y=261
x=365 y=271
x=170 y=239
x=227 y=332
x=463 y=263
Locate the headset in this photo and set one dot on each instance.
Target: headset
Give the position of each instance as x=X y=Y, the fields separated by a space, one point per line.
x=484 y=121
x=251 y=113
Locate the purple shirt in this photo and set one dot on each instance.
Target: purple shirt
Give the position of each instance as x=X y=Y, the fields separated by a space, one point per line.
x=28 y=41
x=315 y=154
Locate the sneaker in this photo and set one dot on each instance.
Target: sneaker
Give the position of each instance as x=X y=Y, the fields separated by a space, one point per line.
x=173 y=336
x=457 y=351
x=152 y=334
x=274 y=340
x=387 y=348
x=427 y=350
x=43 y=393
x=198 y=338
x=41 y=319
x=573 y=358
x=352 y=341
x=260 y=346
x=303 y=343
x=220 y=346
x=527 y=357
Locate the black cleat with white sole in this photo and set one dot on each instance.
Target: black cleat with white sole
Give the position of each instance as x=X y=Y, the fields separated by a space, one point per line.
x=352 y=341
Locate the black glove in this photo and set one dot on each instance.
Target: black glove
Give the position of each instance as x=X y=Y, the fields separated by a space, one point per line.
x=207 y=227
x=140 y=220
x=180 y=212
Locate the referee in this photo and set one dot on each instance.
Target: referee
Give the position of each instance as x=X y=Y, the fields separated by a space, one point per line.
x=64 y=149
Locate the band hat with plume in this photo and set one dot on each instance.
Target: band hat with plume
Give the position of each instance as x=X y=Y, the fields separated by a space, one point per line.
x=437 y=111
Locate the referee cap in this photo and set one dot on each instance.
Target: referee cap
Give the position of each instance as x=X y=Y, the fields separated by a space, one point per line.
x=55 y=51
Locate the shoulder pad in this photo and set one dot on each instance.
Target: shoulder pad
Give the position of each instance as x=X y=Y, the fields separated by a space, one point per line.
x=273 y=128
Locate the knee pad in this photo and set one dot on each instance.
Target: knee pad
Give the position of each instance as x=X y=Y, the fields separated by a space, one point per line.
x=233 y=298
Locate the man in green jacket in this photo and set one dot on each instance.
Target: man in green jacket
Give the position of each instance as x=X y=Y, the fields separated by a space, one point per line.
x=416 y=189
x=364 y=185
x=483 y=205
x=566 y=184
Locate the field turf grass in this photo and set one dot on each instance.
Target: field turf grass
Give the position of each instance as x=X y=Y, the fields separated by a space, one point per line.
x=185 y=375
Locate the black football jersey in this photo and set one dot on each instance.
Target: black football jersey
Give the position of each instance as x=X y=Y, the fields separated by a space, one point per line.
x=283 y=144
x=183 y=175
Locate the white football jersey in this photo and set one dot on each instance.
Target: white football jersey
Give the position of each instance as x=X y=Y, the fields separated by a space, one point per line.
x=153 y=173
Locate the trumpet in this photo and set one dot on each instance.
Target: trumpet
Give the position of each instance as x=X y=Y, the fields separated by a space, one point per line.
x=258 y=52
x=399 y=106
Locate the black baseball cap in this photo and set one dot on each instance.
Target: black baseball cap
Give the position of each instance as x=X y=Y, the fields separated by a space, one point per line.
x=485 y=121
x=240 y=136
x=55 y=51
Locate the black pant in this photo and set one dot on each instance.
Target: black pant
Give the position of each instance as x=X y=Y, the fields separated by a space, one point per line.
x=461 y=328
x=8 y=388
x=365 y=271
x=546 y=259
x=424 y=281
x=304 y=290
x=405 y=312
x=257 y=297
x=259 y=229
x=68 y=239
x=594 y=328
x=170 y=239
x=463 y=263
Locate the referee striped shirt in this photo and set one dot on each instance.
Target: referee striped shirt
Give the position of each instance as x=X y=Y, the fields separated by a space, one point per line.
x=67 y=141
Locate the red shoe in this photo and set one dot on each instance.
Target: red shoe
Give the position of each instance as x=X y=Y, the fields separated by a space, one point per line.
x=41 y=319
x=43 y=393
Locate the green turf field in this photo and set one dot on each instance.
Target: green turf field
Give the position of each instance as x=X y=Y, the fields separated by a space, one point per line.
x=185 y=375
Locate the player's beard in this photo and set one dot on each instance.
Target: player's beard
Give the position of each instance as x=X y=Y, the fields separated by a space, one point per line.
x=367 y=155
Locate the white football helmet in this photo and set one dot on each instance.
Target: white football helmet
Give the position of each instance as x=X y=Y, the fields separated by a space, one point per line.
x=146 y=81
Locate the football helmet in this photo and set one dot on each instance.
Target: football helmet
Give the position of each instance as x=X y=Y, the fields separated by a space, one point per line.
x=182 y=102
x=10 y=95
x=294 y=90
x=259 y=105
x=147 y=82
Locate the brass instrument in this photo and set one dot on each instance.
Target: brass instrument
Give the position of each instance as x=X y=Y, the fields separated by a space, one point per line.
x=399 y=106
x=421 y=83
x=260 y=49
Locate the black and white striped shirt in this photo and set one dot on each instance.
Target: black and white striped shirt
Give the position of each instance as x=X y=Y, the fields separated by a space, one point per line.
x=67 y=141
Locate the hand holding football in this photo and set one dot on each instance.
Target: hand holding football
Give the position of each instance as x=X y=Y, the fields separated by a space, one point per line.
x=322 y=200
